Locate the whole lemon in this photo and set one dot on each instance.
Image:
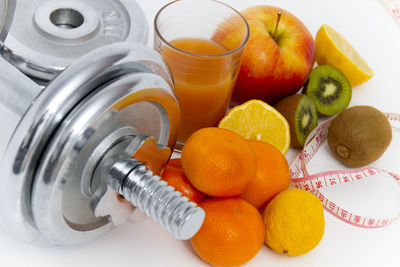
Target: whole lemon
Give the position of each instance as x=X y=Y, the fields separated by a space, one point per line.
x=294 y=222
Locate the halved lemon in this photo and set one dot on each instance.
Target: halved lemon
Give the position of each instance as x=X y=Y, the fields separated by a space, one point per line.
x=331 y=48
x=256 y=119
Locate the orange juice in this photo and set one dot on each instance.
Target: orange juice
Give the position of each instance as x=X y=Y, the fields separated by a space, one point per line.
x=204 y=80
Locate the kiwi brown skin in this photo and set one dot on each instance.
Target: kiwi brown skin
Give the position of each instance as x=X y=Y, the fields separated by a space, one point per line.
x=288 y=108
x=359 y=135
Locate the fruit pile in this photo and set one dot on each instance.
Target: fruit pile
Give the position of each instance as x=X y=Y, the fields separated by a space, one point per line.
x=277 y=70
x=242 y=185
x=237 y=172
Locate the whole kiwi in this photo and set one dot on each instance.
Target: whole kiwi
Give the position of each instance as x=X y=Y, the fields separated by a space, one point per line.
x=359 y=135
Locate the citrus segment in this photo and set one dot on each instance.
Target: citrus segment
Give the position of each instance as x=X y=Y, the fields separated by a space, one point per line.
x=331 y=48
x=257 y=120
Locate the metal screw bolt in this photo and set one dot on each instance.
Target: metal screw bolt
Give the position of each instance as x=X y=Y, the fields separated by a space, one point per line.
x=156 y=198
x=123 y=170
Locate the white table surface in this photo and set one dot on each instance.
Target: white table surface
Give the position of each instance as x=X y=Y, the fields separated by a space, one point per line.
x=141 y=242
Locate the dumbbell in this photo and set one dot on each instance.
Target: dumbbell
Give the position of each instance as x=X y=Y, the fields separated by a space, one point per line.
x=46 y=36
x=78 y=155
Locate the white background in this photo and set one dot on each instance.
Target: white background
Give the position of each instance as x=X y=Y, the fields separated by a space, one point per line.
x=141 y=242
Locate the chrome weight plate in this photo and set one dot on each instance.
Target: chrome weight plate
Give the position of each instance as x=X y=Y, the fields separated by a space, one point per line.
x=46 y=36
x=81 y=107
x=115 y=112
x=7 y=8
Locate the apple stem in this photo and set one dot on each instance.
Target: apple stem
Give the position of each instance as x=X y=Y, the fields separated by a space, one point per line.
x=277 y=24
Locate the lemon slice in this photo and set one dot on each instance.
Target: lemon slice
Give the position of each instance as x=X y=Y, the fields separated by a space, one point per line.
x=331 y=48
x=258 y=120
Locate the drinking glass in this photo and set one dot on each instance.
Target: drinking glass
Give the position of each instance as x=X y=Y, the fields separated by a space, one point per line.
x=202 y=42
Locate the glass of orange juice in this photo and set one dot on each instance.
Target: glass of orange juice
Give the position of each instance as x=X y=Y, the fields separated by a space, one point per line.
x=202 y=42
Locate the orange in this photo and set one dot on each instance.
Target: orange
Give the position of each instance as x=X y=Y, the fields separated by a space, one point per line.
x=174 y=176
x=272 y=175
x=219 y=162
x=232 y=233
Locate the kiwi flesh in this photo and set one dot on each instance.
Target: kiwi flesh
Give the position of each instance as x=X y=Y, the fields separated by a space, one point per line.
x=330 y=89
x=302 y=115
x=359 y=135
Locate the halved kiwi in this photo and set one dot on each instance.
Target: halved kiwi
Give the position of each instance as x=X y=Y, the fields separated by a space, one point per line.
x=302 y=115
x=330 y=89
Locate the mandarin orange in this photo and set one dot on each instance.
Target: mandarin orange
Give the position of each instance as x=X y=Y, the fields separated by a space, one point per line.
x=272 y=175
x=174 y=176
x=219 y=162
x=232 y=233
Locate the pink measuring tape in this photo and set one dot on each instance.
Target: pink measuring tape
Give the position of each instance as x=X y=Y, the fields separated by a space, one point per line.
x=313 y=182
x=393 y=6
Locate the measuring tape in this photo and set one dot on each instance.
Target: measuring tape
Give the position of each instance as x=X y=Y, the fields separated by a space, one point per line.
x=302 y=179
x=393 y=6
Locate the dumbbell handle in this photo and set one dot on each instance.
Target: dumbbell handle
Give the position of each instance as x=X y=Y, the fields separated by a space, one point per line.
x=17 y=92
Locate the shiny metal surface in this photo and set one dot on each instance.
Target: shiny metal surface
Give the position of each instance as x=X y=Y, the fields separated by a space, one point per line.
x=137 y=183
x=17 y=93
x=94 y=97
x=60 y=210
x=144 y=148
x=158 y=200
x=96 y=135
x=150 y=152
x=14 y=101
x=101 y=188
x=46 y=36
x=7 y=8
x=111 y=172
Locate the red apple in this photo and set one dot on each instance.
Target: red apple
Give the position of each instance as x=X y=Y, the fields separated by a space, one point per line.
x=278 y=57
